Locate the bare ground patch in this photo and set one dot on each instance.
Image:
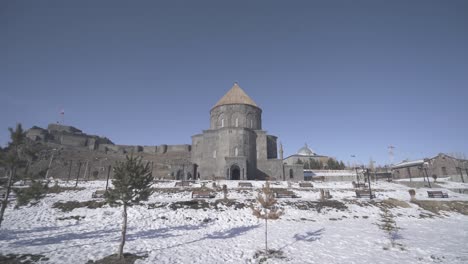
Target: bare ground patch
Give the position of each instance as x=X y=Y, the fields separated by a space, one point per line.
x=319 y=206
x=436 y=207
x=113 y=259
x=71 y=205
x=21 y=258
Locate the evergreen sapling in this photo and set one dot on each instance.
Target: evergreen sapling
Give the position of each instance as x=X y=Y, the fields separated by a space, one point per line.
x=131 y=185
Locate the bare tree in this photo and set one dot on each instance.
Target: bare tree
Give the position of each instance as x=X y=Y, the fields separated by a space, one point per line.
x=131 y=184
x=11 y=159
x=266 y=209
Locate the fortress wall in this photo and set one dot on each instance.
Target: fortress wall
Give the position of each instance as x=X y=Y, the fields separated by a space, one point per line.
x=150 y=149
x=36 y=134
x=105 y=147
x=129 y=148
x=92 y=144
x=61 y=128
x=179 y=148
x=161 y=149
x=73 y=140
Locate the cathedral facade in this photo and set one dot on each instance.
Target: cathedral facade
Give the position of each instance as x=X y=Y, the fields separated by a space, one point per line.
x=235 y=147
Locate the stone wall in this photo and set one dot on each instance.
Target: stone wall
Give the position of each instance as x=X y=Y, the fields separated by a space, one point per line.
x=272 y=168
x=272 y=151
x=62 y=128
x=294 y=172
x=150 y=149
x=73 y=140
x=178 y=148
x=37 y=134
x=261 y=145
x=293 y=159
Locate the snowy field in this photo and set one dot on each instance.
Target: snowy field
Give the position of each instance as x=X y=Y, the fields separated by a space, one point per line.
x=343 y=230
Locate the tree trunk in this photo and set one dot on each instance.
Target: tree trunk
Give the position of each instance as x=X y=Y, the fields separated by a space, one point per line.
x=78 y=174
x=85 y=174
x=124 y=231
x=8 y=190
x=108 y=175
x=266 y=236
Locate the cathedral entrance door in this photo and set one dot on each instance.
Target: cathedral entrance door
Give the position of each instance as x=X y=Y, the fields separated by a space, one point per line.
x=235 y=172
x=180 y=175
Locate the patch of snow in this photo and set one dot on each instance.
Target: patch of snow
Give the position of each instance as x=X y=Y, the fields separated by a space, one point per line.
x=234 y=235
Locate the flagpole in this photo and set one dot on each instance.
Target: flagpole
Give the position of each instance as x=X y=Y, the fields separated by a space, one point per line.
x=62 y=114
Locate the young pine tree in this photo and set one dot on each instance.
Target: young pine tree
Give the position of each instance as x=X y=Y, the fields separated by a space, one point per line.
x=131 y=184
x=266 y=209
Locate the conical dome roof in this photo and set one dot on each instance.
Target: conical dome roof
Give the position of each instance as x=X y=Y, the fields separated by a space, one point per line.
x=235 y=96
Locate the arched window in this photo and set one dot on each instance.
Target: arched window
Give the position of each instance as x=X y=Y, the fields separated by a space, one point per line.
x=220 y=120
x=236 y=152
x=291 y=173
x=249 y=120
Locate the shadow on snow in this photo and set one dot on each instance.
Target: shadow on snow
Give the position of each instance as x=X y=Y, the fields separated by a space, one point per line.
x=307 y=236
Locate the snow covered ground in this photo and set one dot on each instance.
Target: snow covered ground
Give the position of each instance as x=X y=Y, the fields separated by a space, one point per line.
x=345 y=230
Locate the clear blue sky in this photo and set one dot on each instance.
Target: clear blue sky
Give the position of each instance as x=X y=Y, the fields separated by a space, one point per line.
x=347 y=77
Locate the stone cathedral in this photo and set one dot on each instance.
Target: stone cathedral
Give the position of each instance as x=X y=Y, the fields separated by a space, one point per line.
x=235 y=147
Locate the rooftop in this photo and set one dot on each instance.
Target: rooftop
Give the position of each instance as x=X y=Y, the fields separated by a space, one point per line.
x=235 y=96
x=305 y=151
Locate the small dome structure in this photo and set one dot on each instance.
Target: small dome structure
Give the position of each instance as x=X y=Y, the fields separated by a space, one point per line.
x=305 y=151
